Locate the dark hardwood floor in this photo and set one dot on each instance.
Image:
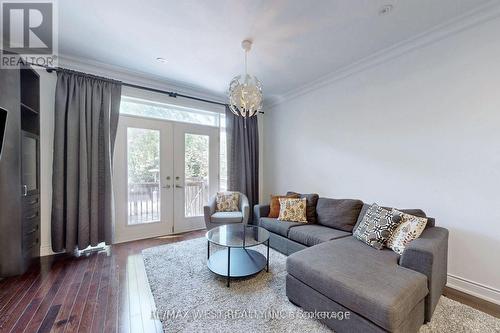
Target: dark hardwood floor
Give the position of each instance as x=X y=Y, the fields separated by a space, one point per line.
x=102 y=292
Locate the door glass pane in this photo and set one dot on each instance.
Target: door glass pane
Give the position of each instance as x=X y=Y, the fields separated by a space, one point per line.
x=143 y=147
x=196 y=174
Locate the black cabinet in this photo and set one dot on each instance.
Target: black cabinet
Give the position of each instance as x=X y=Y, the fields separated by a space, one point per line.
x=19 y=170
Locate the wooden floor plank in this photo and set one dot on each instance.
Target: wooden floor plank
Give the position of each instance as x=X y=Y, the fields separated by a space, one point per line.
x=16 y=291
x=147 y=300
x=47 y=300
x=17 y=304
x=55 y=306
x=49 y=319
x=67 y=301
x=135 y=309
x=111 y=320
x=29 y=311
x=91 y=300
x=79 y=304
x=101 y=307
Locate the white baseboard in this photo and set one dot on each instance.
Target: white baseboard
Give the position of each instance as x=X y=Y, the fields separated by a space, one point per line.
x=487 y=293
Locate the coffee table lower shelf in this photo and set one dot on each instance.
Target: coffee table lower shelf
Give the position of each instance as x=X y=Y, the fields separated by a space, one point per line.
x=241 y=262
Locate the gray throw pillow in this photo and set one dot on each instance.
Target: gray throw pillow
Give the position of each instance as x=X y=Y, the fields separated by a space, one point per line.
x=311 y=201
x=376 y=227
x=340 y=214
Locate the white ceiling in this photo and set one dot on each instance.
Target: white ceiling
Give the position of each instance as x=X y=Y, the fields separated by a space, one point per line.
x=295 y=41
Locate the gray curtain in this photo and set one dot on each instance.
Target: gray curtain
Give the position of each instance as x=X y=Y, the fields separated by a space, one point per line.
x=243 y=156
x=86 y=119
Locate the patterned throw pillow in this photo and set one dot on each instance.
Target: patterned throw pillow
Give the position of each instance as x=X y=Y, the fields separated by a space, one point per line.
x=228 y=201
x=376 y=227
x=292 y=210
x=274 y=205
x=410 y=228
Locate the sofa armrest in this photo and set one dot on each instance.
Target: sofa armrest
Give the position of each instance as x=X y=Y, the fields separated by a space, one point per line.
x=245 y=209
x=260 y=211
x=428 y=255
x=209 y=210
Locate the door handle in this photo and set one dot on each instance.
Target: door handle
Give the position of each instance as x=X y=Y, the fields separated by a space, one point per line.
x=178 y=186
x=167 y=186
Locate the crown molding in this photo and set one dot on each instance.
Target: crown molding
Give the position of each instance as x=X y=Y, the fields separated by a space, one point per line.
x=134 y=77
x=479 y=15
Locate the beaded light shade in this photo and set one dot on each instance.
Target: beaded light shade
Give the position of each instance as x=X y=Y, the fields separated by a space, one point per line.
x=245 y=91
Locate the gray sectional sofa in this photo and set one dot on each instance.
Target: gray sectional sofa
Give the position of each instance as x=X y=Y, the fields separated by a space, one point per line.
x=330 y=270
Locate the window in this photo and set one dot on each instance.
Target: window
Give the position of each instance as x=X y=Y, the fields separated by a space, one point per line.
x=145 y=108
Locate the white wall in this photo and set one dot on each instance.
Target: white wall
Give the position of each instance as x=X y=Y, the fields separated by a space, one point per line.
x=419 y=131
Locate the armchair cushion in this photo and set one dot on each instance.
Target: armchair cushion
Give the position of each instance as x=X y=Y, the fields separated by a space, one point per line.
x=227 y=217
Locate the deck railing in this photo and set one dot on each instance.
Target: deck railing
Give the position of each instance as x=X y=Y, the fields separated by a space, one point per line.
x=143 y=203
x=144 y=200
x=195 y=197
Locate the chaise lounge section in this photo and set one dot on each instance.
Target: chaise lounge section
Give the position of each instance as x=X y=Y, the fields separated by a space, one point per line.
x=330 y=270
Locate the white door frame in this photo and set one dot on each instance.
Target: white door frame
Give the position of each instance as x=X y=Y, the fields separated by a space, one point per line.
x=181 y=222
x=172 y=161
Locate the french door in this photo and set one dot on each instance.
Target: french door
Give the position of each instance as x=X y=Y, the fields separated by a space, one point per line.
x=164 y=173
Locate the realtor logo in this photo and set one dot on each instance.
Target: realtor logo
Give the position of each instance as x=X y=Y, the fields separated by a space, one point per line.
x=28 y=31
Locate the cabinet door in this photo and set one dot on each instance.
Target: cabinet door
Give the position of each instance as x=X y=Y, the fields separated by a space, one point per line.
x=11 y=259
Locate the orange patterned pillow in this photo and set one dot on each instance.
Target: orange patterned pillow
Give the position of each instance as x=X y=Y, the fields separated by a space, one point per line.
x=274 y=210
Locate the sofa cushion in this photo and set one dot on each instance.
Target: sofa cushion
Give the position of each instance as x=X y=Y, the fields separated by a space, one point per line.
x=340 y=214
x=276 y=226
x=417 y=212
x=362 y=279
x=311 y=202
x=226 y=217
x=313 y=234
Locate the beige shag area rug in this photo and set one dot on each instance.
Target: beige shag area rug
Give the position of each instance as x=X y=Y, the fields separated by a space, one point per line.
x=190 y=298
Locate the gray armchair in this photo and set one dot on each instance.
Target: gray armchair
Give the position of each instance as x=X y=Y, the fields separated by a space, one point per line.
x=214 y=219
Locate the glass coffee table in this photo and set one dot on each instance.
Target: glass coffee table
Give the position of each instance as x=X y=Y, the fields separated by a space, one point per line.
x=237 y=259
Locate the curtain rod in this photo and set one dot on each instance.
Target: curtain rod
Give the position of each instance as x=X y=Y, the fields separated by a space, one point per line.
x=169 y=93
